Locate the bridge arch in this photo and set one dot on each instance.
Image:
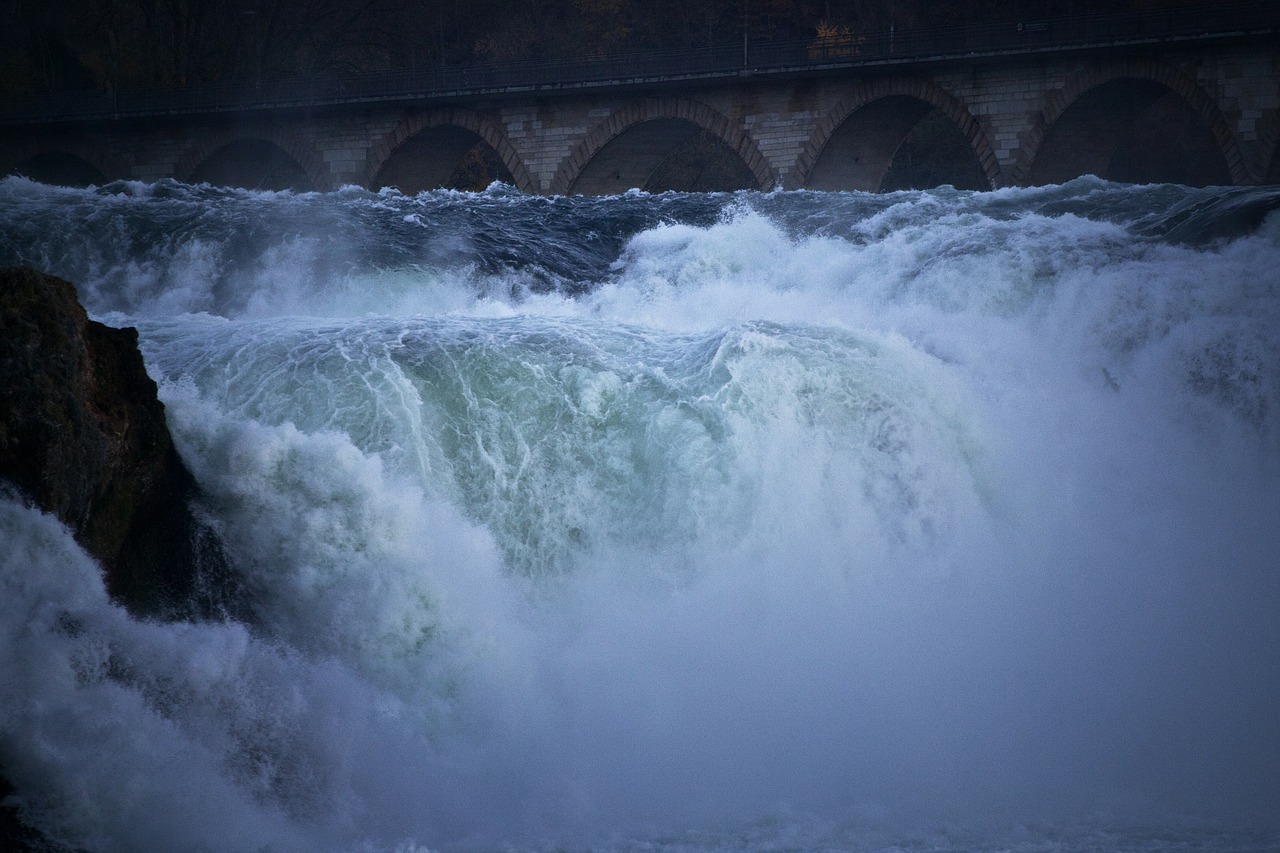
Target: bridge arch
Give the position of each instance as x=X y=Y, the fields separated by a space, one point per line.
x=1140 y=121
x=268 y=160
x=66 y=160
x=659 y=144
x=894 y=134
x=59 y=167
x=426 y=150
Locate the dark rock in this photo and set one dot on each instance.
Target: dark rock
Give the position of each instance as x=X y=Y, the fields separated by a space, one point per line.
x=83 y=436
x=15 y=836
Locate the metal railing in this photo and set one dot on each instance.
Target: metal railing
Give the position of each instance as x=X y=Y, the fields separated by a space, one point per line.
x=1249 y=18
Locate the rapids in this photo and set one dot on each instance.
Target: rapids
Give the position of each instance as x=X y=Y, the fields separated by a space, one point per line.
x=794 y=521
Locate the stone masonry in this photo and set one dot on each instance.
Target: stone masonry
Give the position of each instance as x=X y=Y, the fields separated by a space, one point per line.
x=779 y=128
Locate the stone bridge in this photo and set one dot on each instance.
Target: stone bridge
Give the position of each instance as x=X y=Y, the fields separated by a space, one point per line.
x=1199 y=111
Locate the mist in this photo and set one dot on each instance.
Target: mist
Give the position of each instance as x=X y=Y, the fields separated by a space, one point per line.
x=790 y=521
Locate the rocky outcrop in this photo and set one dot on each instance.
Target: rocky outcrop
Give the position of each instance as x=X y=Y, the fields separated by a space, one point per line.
x=14 y=836
x=83 y=436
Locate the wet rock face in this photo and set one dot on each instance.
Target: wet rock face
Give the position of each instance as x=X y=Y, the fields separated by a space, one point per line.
x=13 y=835
x=83 y=436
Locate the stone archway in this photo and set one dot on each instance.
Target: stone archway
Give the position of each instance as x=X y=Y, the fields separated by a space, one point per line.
x=70 y=159
x=1137 y=122
x=663 y=144
x=457 y=149
x=59 y=167
x=445 y=156
x=266 y=161
x=892 y=134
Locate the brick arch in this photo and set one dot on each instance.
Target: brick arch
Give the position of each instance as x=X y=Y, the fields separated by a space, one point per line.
x=482 y=126
x=866 y=92
x=302 y=153
x=649 y=109
x=97 y=156
x=1060 y=100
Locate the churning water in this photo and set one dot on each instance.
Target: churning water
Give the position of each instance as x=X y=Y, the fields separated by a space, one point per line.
x=794 y=521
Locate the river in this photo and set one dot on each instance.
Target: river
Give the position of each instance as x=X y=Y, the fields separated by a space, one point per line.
x=923 y=521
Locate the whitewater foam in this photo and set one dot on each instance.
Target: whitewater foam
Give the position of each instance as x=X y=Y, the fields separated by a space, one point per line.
x=672 y=522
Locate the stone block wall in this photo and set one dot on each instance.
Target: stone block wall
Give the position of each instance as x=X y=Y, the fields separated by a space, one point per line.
x=778 y=127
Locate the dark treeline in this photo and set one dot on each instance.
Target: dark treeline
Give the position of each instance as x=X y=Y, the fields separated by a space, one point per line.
x=74 y=45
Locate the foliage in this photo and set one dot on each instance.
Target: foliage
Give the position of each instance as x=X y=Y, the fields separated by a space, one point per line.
x=103 y=44
x=834 y=41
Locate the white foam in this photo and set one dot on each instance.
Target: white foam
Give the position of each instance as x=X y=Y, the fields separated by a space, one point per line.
x=929 y=529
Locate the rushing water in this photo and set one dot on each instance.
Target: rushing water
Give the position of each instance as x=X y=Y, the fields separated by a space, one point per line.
x=799 y=521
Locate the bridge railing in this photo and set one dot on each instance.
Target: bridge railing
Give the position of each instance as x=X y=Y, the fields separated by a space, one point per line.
x=887 y=47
